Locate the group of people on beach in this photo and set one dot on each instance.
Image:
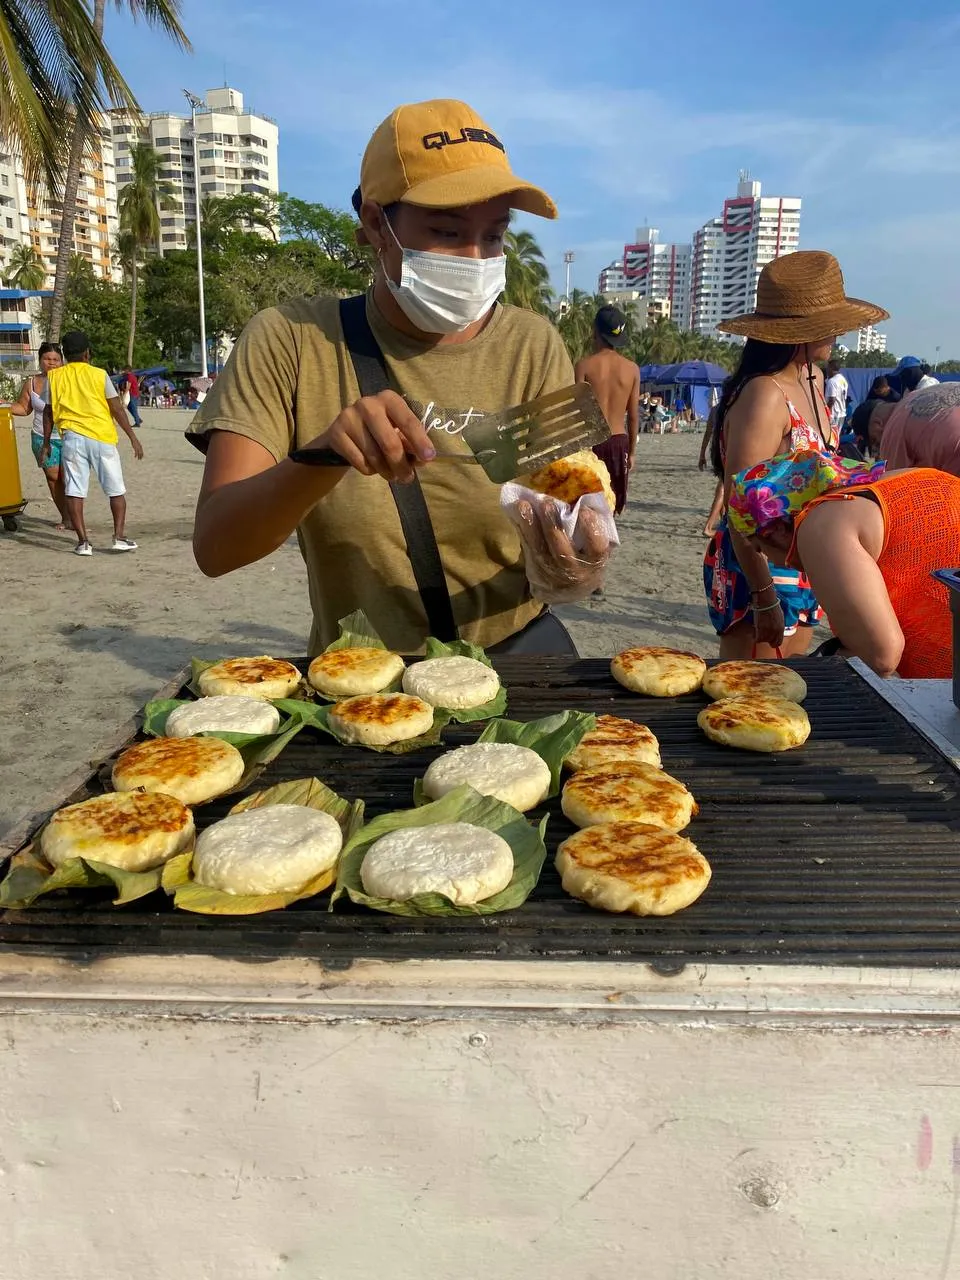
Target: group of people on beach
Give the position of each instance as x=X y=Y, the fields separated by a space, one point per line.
x=388 y=382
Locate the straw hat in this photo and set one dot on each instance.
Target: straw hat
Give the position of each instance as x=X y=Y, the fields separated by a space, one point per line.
x=801 y=298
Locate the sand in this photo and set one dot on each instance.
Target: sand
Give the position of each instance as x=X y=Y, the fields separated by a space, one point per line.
x=86 y=642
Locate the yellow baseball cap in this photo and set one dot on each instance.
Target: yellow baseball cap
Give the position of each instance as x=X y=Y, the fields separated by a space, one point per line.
x=441 y=155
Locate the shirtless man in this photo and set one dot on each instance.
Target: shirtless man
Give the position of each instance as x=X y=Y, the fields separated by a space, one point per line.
x=616 y=384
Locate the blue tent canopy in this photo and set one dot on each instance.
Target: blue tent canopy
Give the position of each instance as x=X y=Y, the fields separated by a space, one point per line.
x=861 y=380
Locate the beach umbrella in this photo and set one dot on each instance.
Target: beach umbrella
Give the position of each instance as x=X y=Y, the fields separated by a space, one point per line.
x=698 y=373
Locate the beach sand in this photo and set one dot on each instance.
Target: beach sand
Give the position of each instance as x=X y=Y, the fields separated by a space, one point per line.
x=86 y=642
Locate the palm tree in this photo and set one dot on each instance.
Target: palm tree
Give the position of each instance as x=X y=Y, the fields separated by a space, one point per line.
x=575 y=320
x=528 y=280
x=221 y=216
x=140 y=203
x=94 y=73
x=25 y=270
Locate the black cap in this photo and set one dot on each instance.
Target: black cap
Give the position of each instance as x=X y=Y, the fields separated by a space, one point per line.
x=611 y=325
x=74 y=344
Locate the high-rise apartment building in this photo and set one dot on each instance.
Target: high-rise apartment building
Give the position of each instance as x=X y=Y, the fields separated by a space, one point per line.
x=870 y=339
x=96 y=224
x=238 y=152
x=658 y=273
x=729 y=252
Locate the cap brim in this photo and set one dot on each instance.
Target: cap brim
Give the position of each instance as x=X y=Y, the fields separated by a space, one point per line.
x=615 y=340
x=473 y=186
x=852 y=313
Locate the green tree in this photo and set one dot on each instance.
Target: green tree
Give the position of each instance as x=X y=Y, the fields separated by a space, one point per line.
x=574 y=318
x=528 y=280
x=102 y=310
x=101 y=80
x=25 y=270
x=223 y=217
x=349 y=264
x=139 y=205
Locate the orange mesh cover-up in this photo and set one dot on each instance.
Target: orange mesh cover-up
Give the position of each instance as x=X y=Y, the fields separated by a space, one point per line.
x=921 y=521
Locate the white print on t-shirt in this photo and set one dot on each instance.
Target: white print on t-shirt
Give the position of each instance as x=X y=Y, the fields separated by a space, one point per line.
x=454 y=425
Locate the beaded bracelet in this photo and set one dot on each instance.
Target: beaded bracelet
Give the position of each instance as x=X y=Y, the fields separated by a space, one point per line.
x=764 y=608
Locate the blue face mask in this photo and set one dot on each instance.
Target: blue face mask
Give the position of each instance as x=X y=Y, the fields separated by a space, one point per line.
x=443 y=293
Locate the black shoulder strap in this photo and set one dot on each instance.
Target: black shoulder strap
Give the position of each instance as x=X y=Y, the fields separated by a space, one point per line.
x=421 y=541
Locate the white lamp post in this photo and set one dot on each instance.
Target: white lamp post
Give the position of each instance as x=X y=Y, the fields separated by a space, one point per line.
x=196 y=102
x=568 y=263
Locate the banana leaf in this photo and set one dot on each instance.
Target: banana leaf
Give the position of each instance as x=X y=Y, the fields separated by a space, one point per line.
x=30 y=876
x=318 y=715
x=177 y=876
x=462 y=805
x=463 y=649
x=552 y=738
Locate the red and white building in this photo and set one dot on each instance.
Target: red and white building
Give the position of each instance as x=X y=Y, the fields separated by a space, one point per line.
x=729 y=252
x=652 y=273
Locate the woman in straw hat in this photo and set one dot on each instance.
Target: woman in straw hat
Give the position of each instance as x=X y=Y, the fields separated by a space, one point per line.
x=773 y=404
x=868 y=540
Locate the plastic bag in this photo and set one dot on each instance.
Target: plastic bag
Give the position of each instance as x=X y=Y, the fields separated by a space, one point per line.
x=566 y=546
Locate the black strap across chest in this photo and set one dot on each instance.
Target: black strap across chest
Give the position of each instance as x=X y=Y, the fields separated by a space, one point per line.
x=422 y=549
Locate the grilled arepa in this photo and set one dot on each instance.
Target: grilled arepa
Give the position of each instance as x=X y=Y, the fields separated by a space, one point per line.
x=632 y=866
x=737 y=679
x=613 y=740
x=755 y=723
x=129 y=830
x=192 y=769
x=659 y=673
x=627 y=793
x=381 y=719
x=572 y=477
x=263 y=677
x=344 y=673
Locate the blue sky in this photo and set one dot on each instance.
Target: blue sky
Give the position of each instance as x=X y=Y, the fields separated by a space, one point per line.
x=628 y=114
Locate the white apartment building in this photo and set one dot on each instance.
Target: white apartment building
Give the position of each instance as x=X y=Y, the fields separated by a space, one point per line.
x=96 y=224
x=870 y=339
x=658 y=272
x=238 y=152
x=729 y=252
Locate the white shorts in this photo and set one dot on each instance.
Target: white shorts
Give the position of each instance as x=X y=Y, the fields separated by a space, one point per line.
x=80 y=455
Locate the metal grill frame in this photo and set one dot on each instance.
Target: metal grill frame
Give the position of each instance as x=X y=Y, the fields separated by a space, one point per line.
x=885 y=892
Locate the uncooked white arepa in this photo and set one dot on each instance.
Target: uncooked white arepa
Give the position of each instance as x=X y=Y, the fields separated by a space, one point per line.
x=769 y=679
x=457 y=683
x=192 y=769
x=261 y=677
x=272 y=849
x=129 y=830
x=516 y=775
x=627 y=792
x=465 y=863
x=381 y=719
x=658 y=672
x=225 y=713
x=632 y=866
x=345 y=673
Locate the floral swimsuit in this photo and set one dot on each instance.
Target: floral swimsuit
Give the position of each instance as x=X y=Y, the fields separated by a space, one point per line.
x=726 y=585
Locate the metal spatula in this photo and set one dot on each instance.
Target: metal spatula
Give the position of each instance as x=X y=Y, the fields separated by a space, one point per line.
x=518 y=441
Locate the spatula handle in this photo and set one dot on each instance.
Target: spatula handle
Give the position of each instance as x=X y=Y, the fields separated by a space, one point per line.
x=318 y=457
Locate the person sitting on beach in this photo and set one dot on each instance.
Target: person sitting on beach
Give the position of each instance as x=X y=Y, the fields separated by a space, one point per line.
x=33 y=400
x=868 y=541
x=773 y=403
x=435 y=200
x=924 y=430
x=616 y=384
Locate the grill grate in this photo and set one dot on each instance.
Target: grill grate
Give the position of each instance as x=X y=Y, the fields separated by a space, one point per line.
x=845 y=852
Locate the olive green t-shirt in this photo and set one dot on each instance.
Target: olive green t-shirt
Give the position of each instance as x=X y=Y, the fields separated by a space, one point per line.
x=287 y=379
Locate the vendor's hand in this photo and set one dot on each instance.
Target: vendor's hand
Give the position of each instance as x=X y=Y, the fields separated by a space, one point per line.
x=768 y=626
x=137 y=446
x=379 y=436
x=557 y=571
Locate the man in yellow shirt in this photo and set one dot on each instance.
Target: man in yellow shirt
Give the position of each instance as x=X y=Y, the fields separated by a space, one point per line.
x=86 y=410
x=435 y=200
